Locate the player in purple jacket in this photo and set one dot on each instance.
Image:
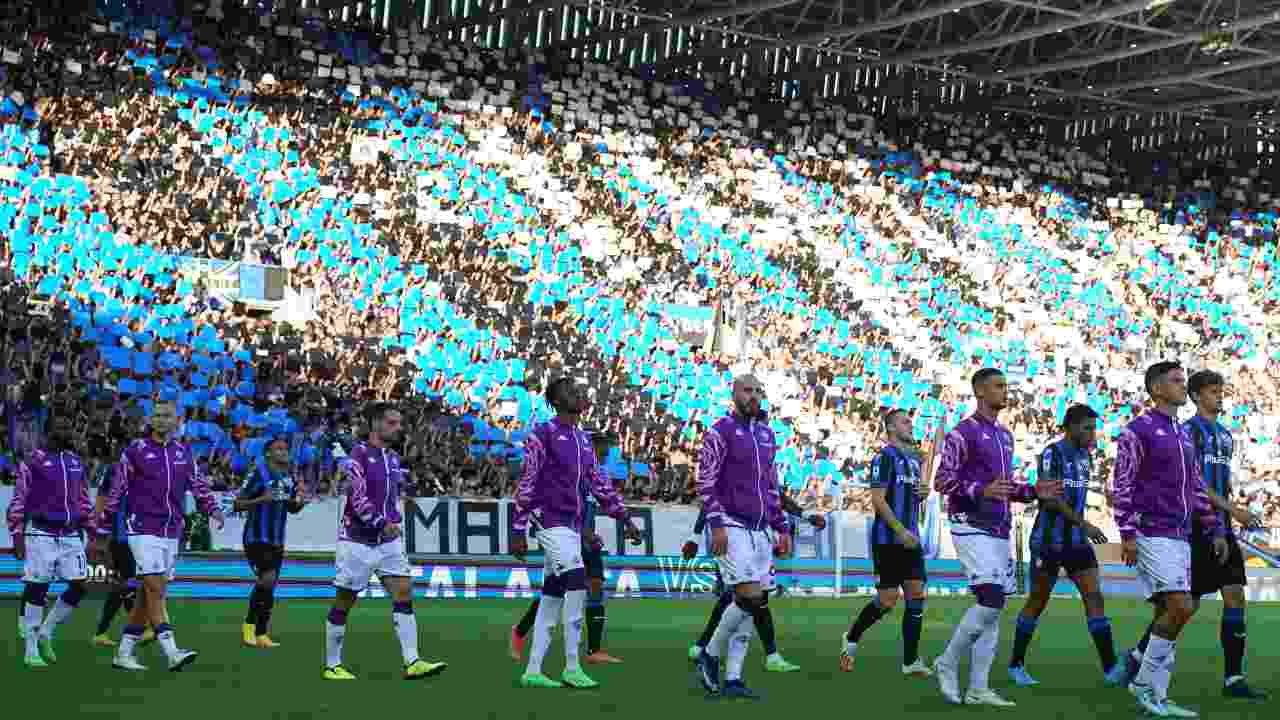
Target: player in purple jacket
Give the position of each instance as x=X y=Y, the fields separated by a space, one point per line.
x=1157 y=496
x=154 y=475
x=975 y=476
x=560 y=468
x=49 y=510
x=371 y=541
x=738 y=482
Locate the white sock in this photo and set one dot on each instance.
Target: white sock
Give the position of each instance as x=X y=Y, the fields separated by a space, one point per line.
x=1157 y=650
x=574 y=602
x=983 y=655
x=739 y=644
x=966 y=634
x=733 y=618
x=850 y=648
x=773 y=656
x=61 y=613
x=407 y=632
x=548 y=615
x=127 y=642
x=1160 y=679
x=333 y=637
x=168 y=643
x=31 y=618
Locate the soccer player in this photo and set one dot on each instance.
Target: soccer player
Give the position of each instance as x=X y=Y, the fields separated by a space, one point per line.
x=977 y=460
x=898 y=488
x=774 y=661
x=593 y=560
x=1060 y=541
x=269 y=496
x=1216 y=448
x=370 y=541
x=153 y=476
x=1157 y=488
x=738 y=482
x=560 y=468
x=49 y=510
x=124 y=591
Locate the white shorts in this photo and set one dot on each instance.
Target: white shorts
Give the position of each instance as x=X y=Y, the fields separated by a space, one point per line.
x=355 y=563
x=154 y=555
x=985 y=558
x=50 y=559
x=748 y=559
x=562 y=550
x=1164 y=565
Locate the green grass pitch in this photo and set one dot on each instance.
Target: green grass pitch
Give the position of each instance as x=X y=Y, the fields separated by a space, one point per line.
x=230 y=682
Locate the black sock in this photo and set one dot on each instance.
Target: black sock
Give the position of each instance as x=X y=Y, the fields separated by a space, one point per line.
x=251 y=618
x=526 y=623
x=722 y=603
x=1100 y=630
x=129 y=596
x=266 y=601
x=595 y=623
x=869 y=616
x=1146 y=638
x=1024 y=630
x=764 y=627
x=1233 y=639
x=109 y=610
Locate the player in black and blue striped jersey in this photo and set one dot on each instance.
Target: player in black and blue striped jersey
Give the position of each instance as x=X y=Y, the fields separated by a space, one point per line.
x=124 y=591
x=270 y=494
x=1061 y=540
x=897 y=493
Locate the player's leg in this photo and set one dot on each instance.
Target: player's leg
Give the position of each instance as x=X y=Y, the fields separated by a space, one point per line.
x=520 y=631
x=268 y=576
x=568 y=556
x=724 y=598
x=123 y=591
x=163 y=558
x=353 y=566
x=134 y=630
x=765 y=628
x=1089 y=584
x=400 y=588
x=1233 y=580
x=745 y=566
x=913 y=625
x=248 y=633
x=889 y=568
x=72 y=566
x=562 y=551
x=1164 y=569
x=1044 y=576
x=596 y=616
x=988 y=563
x=37 y=574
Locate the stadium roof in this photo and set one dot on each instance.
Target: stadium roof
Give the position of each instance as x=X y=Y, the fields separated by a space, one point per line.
x=1070 y=60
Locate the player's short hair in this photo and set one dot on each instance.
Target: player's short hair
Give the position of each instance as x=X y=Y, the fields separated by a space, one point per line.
x=377 y=411
x=984 y=375
x=1076 y=413
x=1156 y=372
x=1202 y=379
x=889 y=416
x=603 y=437
x=552 y=393
x=274 y=438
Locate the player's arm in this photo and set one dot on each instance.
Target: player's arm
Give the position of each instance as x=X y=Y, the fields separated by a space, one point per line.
x=955 y=450
x=535 y=456
x=710 y=463
x=358 y=497
x=252 y=493
x=884 y=472
x=17 y=514
x=1124 y=489
x=103 y=491
x=299 y=500
x=86 y=506
x=206 y=501
x=773 y=502
x=120 y=481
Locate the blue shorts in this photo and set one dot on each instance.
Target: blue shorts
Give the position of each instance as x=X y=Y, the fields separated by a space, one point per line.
x=1052 y=559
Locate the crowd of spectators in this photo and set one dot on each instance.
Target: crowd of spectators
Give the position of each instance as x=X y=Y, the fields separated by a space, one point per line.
x=653 y=255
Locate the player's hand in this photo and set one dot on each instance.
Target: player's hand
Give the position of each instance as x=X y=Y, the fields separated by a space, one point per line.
x=1129 y=552
x=391 y=531
x=1220 y=550
x=909 y=540
x=519 y=547
x=632 y=533
x=719 y=542
x=689 y=550
x=1048 y=488
x=20 y=547
x=217 y=520
x=596 y=541
x=783 y=547
x=999 y=489
x=1095 y=534
x=819 y=521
